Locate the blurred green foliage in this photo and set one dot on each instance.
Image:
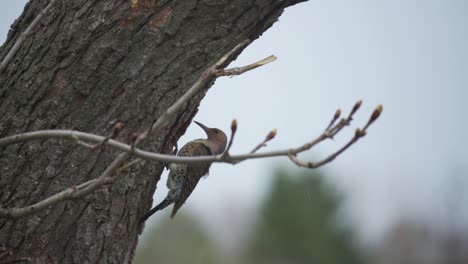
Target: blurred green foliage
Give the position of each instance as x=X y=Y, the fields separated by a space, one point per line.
x=177 y=241
x=298 y=224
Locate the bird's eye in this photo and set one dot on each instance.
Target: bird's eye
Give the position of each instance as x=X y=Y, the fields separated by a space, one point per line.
x=216 y=131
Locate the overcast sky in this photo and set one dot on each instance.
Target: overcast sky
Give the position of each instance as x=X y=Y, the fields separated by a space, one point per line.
x=410 y=56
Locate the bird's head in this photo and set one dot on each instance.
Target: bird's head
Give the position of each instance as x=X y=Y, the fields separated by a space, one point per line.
x=216 y=141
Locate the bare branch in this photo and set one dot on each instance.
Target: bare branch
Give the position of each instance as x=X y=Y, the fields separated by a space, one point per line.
x=271 y=135
x=240 y=70
x=112 y=171
x=225 y=155
x=359 y=133
x=313 y=165
x=129 y=164
x=117 y=128
x=345 y=122
x=206 y=76
x=146 y=155
x=23 y=36
x=335 y=117
x=109 y=175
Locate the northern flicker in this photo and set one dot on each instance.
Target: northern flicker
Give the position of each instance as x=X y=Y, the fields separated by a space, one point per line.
x=184 y=177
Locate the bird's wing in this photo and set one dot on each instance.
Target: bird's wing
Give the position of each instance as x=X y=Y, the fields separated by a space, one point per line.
x=194 y=173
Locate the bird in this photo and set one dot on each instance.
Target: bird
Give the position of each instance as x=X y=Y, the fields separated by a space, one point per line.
x=183 y=178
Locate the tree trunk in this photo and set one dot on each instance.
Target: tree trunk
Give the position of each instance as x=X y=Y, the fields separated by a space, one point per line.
x=86 y=65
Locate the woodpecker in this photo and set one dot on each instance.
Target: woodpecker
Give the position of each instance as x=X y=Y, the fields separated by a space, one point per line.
x=183 y=178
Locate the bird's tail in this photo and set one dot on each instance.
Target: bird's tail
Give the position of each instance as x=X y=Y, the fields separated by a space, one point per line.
x=158 y=207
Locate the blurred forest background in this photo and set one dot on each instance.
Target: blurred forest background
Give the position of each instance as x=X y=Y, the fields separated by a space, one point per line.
x=301 y=221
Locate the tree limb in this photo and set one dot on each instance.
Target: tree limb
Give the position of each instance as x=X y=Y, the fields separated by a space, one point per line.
x=108 y=175
x=111 y=172
x=152 y=156
x=23 y=36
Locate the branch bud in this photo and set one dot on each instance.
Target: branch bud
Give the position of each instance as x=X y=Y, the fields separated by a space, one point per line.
x=234 y=126
x=359 y=133
x=378 y=110
x=117 y=128
x=337 y=114
x=271 y=135
x=356 y=107
x=134 y=137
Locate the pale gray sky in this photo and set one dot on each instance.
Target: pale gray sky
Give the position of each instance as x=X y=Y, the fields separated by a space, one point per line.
x=410 y=56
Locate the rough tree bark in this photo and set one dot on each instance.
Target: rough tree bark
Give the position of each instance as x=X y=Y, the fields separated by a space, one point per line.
x=86 y=65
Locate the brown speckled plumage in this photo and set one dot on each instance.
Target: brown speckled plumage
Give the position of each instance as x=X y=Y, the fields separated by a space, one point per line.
x=183 y=178
x=198 y=170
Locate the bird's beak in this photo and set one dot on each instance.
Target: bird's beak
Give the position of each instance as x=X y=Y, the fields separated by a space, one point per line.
x=202 y=126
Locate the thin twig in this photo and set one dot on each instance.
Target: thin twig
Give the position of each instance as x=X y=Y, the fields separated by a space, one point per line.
x=23 y=36
x=204 y=78
x=335 y=117
x=313 y=165
x=231 y=139
x=129 y=164
x=115 y=132
x=359 y=133
x=271 y=135
x=240 y=70
x=345 y=122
